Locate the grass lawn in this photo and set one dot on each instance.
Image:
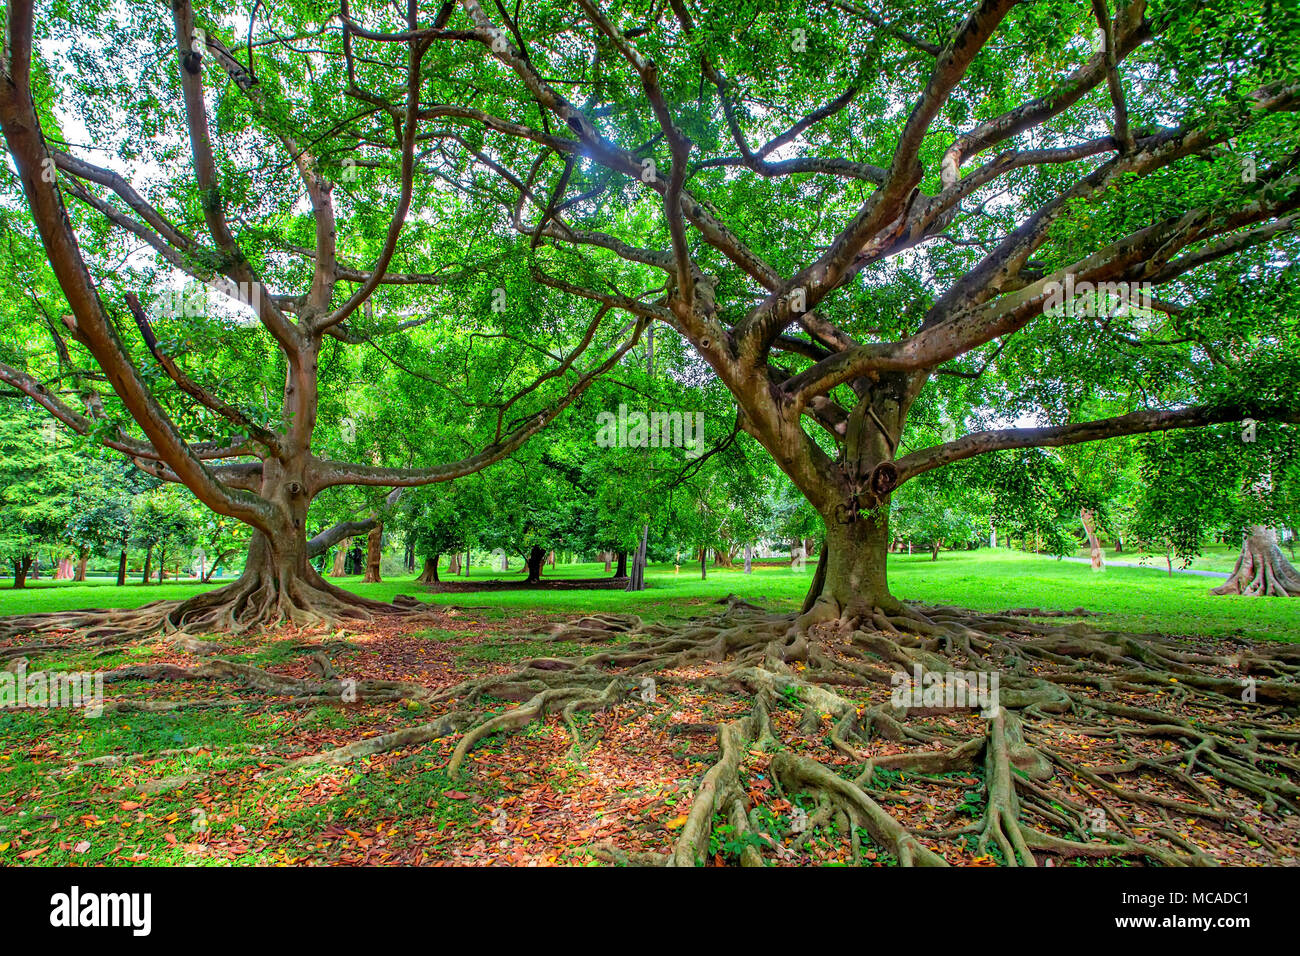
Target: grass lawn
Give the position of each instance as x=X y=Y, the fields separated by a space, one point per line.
x=1138 y=599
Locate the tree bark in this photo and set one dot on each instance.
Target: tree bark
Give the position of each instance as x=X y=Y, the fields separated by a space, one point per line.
x=856 y=553
x=148 y=564
x=121 y=568
x=536 y=556
x=1261 y=569
x=374 y=541
x=430 y=573
x=609 y=561
x=704 y=567
x=1094 y=544
x=749 y=559
x=341 y=559
x=453 y=563
x=622 y=565
x=82 y=558
x=637 y=581
x=21 y=567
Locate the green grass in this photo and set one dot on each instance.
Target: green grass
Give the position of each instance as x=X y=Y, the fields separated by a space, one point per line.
x=1139 y=599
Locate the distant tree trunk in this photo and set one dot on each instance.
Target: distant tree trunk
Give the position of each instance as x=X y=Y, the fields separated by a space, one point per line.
x=121 y=568
x=340 y=567
x=1098 y=556
x=609 y=561
x=749 y=559
x=535 y=558
x=465 y=567
x=934 y=551
x=430 y=573
x=21 y=567
x=1262 y=570
x=704 y=567
x=551 y=559
x=82 y=558
x=162 y=563
x=148 y=564
x=622 y=565
x=453 y=563
x=1119 y=545
x=637 y=581
x=216 y=563
x=374 y=540
x=809 y=547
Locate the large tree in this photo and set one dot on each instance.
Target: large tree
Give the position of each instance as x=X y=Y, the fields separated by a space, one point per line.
x=285 y=248
x=845 y=207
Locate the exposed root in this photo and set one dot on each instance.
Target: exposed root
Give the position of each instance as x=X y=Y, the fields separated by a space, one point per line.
x=1225 y=722
x=1098 y=745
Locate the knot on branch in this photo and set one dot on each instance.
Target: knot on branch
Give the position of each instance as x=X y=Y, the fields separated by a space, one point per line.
x=884 y=479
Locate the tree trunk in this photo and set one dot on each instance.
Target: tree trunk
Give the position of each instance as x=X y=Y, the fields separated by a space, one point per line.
x=374 y=541
x=1261 y=569
x=856 y=577
x=704 y=568
x=934 y=552
x=535 y=558
x=430 y=573
x=340 y=567
x=622 y=565
x=453 y=563
x=21 y=567
x=82 y=558
x=162 y=564
x=121 y=568
x=609 y=561
x=749 y=559
x=637 y=581
x=1094 y=544
x=148 y=564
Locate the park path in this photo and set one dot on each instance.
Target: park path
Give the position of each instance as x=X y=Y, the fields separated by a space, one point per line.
x=1153 y=567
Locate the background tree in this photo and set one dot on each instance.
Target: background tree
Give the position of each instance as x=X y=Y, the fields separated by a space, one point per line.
x=297 y=278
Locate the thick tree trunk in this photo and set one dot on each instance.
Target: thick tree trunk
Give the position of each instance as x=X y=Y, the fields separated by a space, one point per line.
x=430 y=573
x=749 y=559
x=340 y=567
x=536 y=556
x=622 y=565
x=609 y=561
x=855 y=554
x=453 y=563
x=148 y=565
x=374 y=541
x=82 y=558
x=121 y=568
x=1261 y=570
x=21 y=568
